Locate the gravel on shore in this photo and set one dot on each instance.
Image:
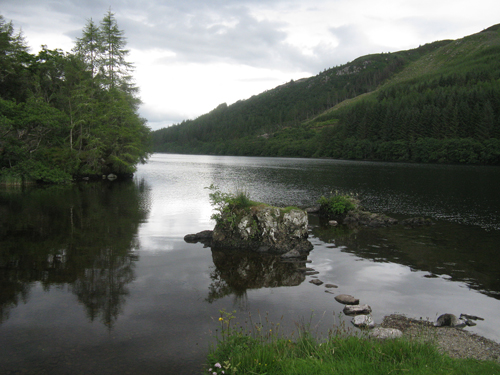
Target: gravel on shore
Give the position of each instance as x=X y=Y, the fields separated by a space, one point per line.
x=455 y=342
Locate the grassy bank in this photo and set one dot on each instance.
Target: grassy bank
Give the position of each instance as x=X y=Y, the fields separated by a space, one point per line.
x=262 y=349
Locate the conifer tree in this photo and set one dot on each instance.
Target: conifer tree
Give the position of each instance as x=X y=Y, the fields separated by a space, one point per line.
x=116 y=69
x=90 y=47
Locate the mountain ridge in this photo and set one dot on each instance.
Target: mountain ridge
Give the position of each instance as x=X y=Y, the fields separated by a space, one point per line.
x=299 y=112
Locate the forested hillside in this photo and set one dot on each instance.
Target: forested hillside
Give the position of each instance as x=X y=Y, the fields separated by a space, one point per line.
x=68 y=115
x=436 y=103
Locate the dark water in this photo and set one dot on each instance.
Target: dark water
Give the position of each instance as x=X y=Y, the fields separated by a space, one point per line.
x=96 y=278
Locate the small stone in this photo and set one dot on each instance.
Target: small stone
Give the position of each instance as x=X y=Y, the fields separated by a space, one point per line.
x=385 y=333
x=333 y=223
x=309 y=273
x=329 y=291
x=357 y=309
x=331 y=286
x=316 y=282
x=363 y=321
x=347 y=299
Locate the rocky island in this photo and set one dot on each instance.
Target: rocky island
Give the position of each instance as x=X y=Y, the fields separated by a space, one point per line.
x=245 y=225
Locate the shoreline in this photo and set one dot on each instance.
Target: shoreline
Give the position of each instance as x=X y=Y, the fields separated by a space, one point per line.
x=455 y=342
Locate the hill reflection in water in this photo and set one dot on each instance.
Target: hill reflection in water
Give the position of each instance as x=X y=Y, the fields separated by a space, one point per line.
x=453 y=251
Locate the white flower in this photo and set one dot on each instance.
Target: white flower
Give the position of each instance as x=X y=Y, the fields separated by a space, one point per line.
x=218 y=365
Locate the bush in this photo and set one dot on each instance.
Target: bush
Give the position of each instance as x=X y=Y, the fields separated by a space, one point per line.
x=226 y=205
x=336 y=205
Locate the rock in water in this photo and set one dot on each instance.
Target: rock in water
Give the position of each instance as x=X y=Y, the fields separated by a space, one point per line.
x=316 y=282
x=357 y=309
x=416 y=222
x=363 y=321
x=331 y=286
x=202 y=236
x=450 y=320
x=263 y=229
x=346 y=299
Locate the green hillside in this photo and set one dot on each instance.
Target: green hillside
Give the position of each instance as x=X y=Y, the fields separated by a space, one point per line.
x=436 y=103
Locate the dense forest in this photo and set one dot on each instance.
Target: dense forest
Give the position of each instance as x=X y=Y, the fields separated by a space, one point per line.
x=436 y=103
x=69 y=115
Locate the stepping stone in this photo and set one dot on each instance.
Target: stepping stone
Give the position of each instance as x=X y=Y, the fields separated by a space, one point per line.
x=357 y=309
x=330 y=286
x=346 y=299
x=316 y=282
x=363 y=321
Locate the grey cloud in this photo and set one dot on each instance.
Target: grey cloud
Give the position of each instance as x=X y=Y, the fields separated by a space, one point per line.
x=198 y=31
x=259 y=79
x=206 y=37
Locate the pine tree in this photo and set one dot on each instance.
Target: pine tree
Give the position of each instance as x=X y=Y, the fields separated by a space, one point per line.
x=485 y=124
x=90 y=47
x=14 y=59
x=116 y=69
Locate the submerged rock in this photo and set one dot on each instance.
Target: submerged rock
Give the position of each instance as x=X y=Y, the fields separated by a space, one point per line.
x=416 y=222
x=470 y=317
x=358 y=217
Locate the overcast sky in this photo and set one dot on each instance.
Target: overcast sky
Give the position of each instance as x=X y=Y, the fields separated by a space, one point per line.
x=192 y=55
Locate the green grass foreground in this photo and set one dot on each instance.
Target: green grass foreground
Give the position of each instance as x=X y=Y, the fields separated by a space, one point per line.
x=264 y=351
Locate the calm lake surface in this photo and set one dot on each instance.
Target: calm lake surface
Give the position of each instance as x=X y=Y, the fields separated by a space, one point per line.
x=96 y=277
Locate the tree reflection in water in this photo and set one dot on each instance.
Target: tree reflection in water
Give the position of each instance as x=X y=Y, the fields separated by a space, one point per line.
x=83 y=236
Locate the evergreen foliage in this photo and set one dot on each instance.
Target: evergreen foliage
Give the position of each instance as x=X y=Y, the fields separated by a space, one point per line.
x=436 y=103
x=67 y=115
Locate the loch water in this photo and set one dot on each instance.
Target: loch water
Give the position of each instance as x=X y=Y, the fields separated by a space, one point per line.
x=95 y=278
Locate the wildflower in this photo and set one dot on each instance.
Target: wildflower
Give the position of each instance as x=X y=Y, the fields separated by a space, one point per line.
x=220 y=319
x=218 y=365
